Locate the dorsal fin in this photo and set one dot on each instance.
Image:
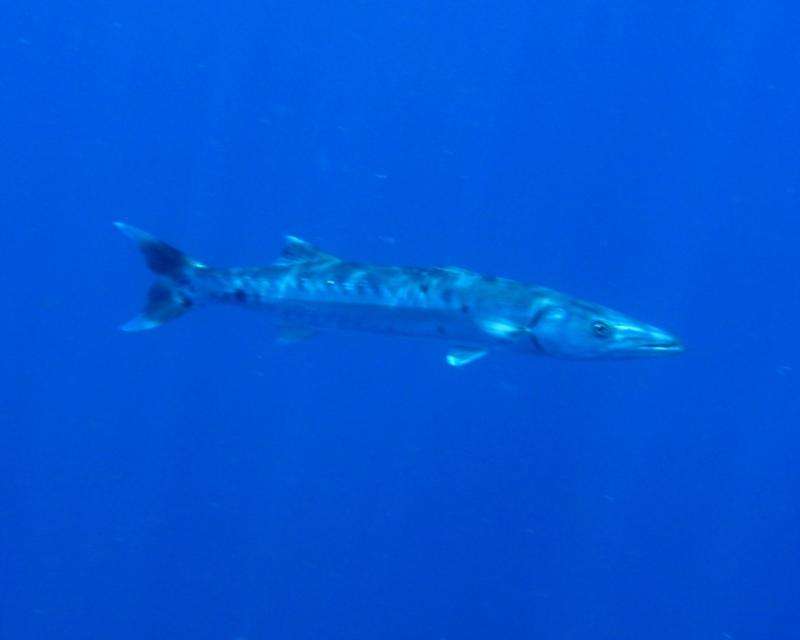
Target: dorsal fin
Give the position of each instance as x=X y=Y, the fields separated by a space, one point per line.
x=458 y=356
x=458 y=271
x=296 y=251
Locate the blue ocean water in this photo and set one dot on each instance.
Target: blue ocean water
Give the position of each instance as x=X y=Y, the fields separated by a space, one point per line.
x=200 y=481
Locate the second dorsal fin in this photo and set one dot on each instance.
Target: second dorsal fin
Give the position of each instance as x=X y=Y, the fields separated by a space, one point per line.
x=296 y=250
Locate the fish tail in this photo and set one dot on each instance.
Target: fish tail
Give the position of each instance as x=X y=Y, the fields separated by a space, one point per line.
x=172 y=294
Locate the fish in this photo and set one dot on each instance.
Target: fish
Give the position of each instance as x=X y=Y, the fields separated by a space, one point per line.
x=308 y=291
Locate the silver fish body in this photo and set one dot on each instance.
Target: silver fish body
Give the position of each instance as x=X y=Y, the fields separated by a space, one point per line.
x=308 y=290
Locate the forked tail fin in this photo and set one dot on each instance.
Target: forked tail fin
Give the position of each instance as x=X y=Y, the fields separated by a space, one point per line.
x=171 y=295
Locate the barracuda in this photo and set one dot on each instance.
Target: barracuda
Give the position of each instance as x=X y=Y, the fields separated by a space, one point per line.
x=307 y=291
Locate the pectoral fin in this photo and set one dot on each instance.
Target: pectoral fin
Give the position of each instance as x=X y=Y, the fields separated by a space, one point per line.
x=502 y=329
x=459 y=356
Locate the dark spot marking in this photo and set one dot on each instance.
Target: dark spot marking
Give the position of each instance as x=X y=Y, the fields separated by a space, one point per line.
x=441 y=330
x=240 y=295
x=376 y=286
x=424 y=287
x=464 y=308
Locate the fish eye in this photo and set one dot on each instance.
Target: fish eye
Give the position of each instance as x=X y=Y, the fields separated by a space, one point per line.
x=600 y=329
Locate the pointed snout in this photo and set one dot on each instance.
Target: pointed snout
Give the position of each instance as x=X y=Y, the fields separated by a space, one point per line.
x=651 y=341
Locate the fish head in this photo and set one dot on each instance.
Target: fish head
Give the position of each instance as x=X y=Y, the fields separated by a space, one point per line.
x=580 y=330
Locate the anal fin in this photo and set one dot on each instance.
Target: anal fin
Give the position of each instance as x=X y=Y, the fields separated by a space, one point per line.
x=459 y=356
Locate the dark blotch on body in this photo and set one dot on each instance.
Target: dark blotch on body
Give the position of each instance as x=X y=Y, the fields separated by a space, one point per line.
x=374 y=284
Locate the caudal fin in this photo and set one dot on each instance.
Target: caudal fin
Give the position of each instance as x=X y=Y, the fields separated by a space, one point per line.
x=171 y=295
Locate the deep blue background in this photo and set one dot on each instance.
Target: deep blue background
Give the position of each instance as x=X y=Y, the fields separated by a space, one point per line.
x=202 y=482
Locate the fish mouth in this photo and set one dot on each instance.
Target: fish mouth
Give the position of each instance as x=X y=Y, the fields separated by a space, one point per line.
x=673 y=346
